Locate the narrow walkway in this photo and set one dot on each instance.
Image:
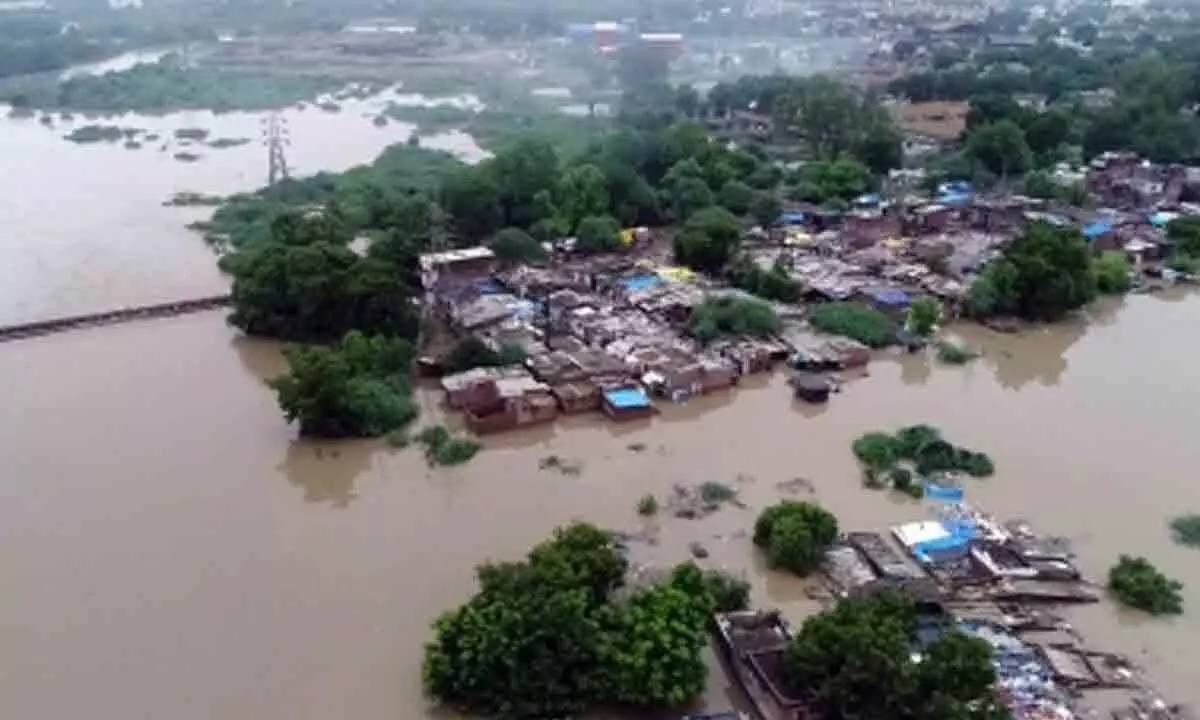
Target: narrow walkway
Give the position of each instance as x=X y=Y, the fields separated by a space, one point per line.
x=23 y=331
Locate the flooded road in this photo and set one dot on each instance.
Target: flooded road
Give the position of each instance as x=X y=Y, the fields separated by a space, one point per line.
x=170 y=549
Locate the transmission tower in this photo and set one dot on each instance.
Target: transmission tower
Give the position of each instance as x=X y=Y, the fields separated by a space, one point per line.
x=275 y=137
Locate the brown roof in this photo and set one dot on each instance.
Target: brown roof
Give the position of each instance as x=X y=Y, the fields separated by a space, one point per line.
x=938 y=120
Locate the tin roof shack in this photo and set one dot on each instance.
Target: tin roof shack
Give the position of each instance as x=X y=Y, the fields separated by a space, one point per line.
x=526 y=281
x=865 y=228
x=452 y=267
x=748 y=355
x=627 y=403
x=997 y=215
x=1081 y=669
x=577 y=397
x=510 y=402
x=932 y=218
x=834 y=354
x=470 y=312
x=472 y=387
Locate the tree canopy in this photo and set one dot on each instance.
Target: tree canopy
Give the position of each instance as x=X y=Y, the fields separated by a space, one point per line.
x=548 y=636
x=795 y=535
x=1044 y=274
x=857 y=661
x=359 y=389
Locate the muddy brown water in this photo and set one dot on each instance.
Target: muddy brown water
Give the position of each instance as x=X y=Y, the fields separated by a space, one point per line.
x=170 y=549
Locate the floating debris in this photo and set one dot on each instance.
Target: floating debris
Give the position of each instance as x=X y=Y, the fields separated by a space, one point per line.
x=562 y=465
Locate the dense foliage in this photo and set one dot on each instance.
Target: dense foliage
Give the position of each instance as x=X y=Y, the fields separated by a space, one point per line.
x=1186 y=530
x=546 y=637
x=923 y=315
x=445 y=448
x=795 y=535
x=1137 y=583
x=857 y=661
x=708 y=240
x=169 y=85
x=1184 y=234
x=728 y=315
x=853 y=320
x=921 y=446
x=1044 y=274
x=774 y=284
x=359 y=389
x=306 y=283
x=1113 y=274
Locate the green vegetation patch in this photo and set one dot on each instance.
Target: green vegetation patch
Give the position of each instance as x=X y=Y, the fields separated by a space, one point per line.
x=795 y=535
x=443 y=448
x=857 y=322
x=1136 y=583
x=953 y=353
x=584 y=641
x=167 y=86
x=359 y=388
x=918 y=448
x=727 y=315
x=1185 y=529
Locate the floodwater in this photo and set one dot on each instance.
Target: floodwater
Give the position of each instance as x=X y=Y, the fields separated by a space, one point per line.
x=169 y=549
x=85 y=226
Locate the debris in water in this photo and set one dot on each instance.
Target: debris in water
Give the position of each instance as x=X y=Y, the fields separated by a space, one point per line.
x=564 y=466
x=636 y=447
x=697 y=550
x=693 y=503
x=795 y=486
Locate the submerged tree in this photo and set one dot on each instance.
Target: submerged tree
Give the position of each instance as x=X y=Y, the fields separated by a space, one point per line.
x=857 y=660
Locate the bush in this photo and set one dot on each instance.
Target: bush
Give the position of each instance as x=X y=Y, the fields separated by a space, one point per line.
x=715 y=492
x=732 y=316
x=360 y=388
x=878 y=451
x=858 y=322
x=647 y=505
x=902 y=479
x=1138 y=584
x=921 y=445
x=578 y=649
x=598 y=234
x=1186 y=530
x=444 y=448
x=795 y=535
x=954 y=354
x=516 y=245
x=1112 y=273
x=472 y=353
x=923 y=315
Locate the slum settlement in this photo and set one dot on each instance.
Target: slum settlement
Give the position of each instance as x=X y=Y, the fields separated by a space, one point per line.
x=964 y=570
x=610 y=333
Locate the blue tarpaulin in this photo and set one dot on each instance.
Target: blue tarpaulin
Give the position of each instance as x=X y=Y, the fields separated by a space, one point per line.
x=933 y=491
x=956 y=186
x=953 y=198
x=867 y=199
x=1161 y=218
x=1094 y=230
x=890 y=297
x=641 y=282
x=627 y=398
x=791 y=218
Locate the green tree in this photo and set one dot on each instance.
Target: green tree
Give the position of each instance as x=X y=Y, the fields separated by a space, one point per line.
x=1045 y=273
x=304 y=283
x=1137 y=583
x=1001 y=148
x=708 y=240
x=359 y=389
x=582 y=192
x=472 y=198
x=1112 y=273
x=732 y=316
x=736 y=196
x=766 y=208
x=923 y=315
x=1041 y=185
x=881 y=149
x=516 y=246
x=656 y=647
x=795 y=535
x=844 y=179
x=857 y=661
x=598 y=233
x=877 y=451
x=526 y=174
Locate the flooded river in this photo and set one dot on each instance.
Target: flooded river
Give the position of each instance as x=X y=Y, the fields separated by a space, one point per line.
x=170 y=550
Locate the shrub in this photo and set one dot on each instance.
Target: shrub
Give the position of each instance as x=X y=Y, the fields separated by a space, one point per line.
x=923 y=315
x=732 y=316
x=954 y=354
x=715 y=492
x=647 y=505
x=878 y=451
x=858 y=322
x=1186 y=530
x=1138 y=584
x=795 y=535
x=902 y=479
x=444 y=448
x=1112 y=273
